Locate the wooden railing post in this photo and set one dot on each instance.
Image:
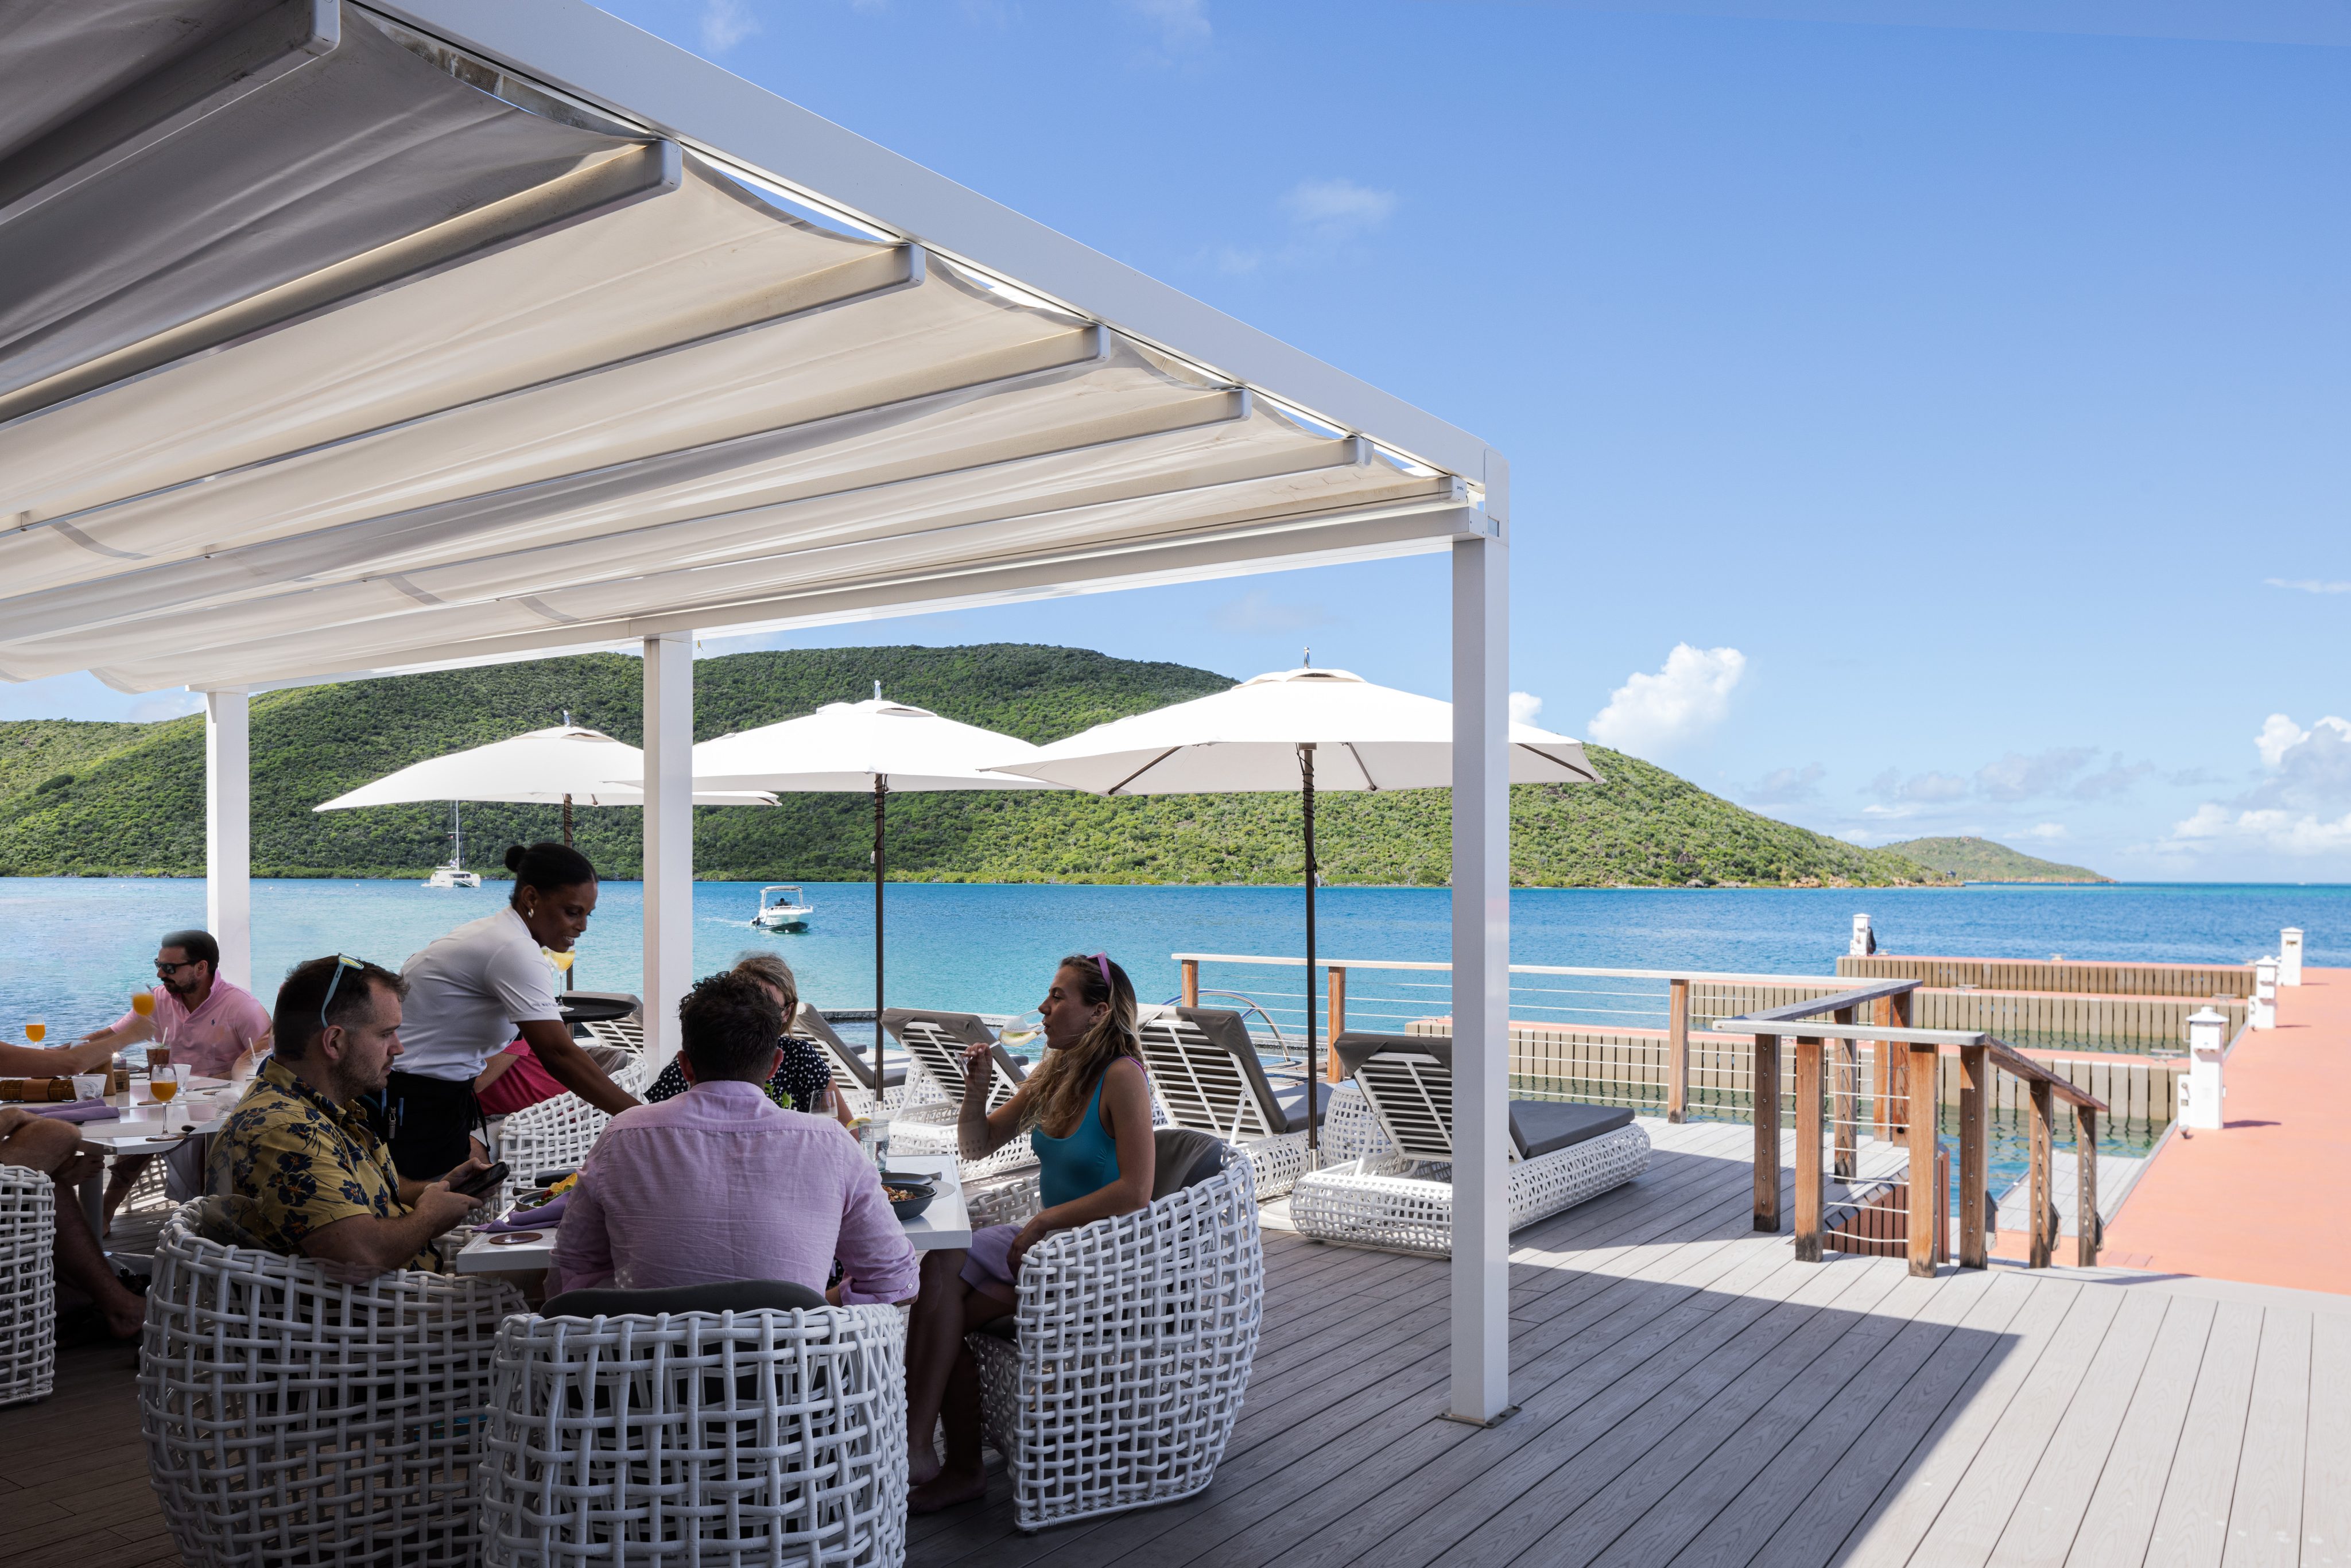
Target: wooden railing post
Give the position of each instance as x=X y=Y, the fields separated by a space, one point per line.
x=1847 y=1135
x=1898 y=1065
x=1764 y=1079
x=1975 y=1138
x=1678 y=1003
x=2086 y=1199
x=1928 y=1201
x=1812 y=1177
x=2042 y=1234
x=1191 y=982
x=1338 y=1007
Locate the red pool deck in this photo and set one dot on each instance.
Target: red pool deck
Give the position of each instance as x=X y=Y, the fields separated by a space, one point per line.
x=2267 y=1198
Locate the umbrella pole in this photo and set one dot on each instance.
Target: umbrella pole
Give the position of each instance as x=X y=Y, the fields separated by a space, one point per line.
x=881 y=789
x=1313 y=1074
x=567 y=818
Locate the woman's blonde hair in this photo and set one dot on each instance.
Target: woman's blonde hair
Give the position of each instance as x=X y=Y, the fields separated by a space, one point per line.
x=770 y=970
x=1065 y=1080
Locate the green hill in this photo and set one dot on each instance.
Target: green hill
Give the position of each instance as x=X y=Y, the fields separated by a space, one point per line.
x=127 y=799
x=1980 y=860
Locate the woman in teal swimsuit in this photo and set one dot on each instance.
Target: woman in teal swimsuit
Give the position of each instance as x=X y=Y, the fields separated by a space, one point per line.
x=1087 y=1112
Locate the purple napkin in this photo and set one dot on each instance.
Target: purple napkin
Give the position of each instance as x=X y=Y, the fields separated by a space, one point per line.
x=77 y=1111
x=545 y=1217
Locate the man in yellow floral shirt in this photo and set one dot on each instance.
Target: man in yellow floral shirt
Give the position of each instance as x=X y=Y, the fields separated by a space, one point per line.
x=298 y=1166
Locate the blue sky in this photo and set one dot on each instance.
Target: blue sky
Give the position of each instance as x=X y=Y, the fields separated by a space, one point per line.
x=1914 y=429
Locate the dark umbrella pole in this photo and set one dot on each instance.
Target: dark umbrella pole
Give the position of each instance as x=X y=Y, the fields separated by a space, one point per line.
x=1313 y=1074
x=881 y=872
x=570 y=979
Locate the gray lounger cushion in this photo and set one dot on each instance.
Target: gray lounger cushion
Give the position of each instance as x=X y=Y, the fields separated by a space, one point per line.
x=1285 y=1109
x=1182 y=1157
x=1546 y=1126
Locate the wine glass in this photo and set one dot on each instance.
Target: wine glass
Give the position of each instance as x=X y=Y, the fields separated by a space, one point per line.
x=163 y=1082
x=562 y=961
x=1021 y=1030
x=37 y=1029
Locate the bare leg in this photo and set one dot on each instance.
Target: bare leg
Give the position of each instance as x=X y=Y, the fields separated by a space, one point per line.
x=933 y=1339
x=119 y=1181
x=963 y=1478
x=54 y=1148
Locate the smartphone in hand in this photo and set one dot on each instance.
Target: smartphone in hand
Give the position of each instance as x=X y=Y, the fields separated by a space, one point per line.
x=482 y=1183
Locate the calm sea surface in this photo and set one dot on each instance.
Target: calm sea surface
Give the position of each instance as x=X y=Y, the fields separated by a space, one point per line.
x=75 y=946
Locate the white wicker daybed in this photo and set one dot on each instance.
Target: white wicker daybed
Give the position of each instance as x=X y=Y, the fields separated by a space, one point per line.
x=1205 y=1073
x=1400 y=1196
x=934 y=1045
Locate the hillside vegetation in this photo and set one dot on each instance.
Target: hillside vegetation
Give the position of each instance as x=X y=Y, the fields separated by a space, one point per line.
x=1981 y=860
x=127 y=799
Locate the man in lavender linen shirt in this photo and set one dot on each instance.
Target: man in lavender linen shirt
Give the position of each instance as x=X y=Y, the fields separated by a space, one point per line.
x=721 y=1183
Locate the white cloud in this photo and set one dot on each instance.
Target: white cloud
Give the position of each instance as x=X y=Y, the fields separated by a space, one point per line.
x=1920 y=789
x=1689 y=695
x=1182 y=24
x=2302 y=809
x=2308 y=584
x=726 y=23
x=1338 y=209
x=2043 y=830
x=1788 y=786
x=2280 y=735
x=1525 y=708
x=2017 y=776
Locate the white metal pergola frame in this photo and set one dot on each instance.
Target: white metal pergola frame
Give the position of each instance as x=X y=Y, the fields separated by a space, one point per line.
x=569 y=49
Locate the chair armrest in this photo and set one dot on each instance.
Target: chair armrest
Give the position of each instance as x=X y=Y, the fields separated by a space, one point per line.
x=1013 y=1202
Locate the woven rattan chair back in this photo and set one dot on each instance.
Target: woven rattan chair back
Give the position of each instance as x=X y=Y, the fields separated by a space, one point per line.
x=1411 y=1093
x=555 y=1134
x=708 y=1438
x=1206 y=1070
x=28 y=1295
x=292 y=1420
x=627 y=1034
x=936 y=1042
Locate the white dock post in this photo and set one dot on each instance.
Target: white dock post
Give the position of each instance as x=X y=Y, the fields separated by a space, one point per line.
x=2289 y=955
x=2261 y=1012
x=1863 y=943
x=2202 y=1095
x=228 y=831
x=1481 y=980
x=669 y=838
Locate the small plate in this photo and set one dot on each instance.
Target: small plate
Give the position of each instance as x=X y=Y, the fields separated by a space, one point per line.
x=517 y=1237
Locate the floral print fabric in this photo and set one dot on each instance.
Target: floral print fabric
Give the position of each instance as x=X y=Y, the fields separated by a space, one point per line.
x=289 y=1161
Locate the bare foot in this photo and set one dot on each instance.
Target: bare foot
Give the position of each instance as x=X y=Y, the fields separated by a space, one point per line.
x=950 y=1488
x=922 y=1463
x=126 y=1319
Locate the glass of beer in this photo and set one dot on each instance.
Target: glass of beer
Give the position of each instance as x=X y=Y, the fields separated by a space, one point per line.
x=37 y=1029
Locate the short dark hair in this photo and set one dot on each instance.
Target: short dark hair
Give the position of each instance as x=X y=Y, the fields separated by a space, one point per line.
x=729 y=1024
x=295 y=1022
x=196 y=944
x=547 y=865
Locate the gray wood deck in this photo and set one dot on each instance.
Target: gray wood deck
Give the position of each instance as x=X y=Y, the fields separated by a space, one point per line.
x=1690 y=1394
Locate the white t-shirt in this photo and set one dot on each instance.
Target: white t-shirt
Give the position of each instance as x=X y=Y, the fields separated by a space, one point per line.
x=467 y=991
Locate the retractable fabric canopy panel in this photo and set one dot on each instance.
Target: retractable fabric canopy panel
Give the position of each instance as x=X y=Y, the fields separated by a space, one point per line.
x=508 y=376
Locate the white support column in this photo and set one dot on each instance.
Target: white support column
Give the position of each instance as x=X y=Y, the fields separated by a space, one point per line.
x=228 y=831
x=1481 y=979
x=669 y=838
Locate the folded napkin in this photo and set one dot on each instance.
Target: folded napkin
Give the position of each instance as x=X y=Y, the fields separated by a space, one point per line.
x=77 y=1111
x=544 y=1217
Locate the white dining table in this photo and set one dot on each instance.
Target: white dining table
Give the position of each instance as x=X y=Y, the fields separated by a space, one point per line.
x=147 y=1127
x=946 y=1222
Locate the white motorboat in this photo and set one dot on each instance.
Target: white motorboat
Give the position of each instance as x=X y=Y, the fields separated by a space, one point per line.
x=454 y=874
x=788 y=911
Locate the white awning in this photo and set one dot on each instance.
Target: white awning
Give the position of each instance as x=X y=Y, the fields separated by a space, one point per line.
x=647 y=390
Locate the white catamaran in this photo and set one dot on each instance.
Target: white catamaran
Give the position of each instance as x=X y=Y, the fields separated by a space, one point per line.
x=455 y=874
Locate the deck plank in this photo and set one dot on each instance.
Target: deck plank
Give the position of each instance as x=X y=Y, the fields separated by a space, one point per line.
x=2326 y=1466
x=2265 y=1513
x=2120 y=1519
x=2191 y=1525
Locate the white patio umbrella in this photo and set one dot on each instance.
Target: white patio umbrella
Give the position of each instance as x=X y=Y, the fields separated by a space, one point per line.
x=1300 y=730
x=886 y=747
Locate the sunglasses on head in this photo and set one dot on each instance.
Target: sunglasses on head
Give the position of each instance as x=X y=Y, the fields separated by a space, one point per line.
x=341 y=963
x=1101 y=962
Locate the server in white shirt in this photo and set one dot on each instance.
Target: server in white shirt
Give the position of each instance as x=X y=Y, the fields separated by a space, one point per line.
x=477 y=988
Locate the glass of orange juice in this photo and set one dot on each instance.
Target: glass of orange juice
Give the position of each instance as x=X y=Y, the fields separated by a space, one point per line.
x=37 y=1029
x=142 y=1002
x=163 y=1082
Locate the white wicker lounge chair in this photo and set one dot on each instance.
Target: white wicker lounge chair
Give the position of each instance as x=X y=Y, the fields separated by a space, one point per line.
x=293 y=1420
x=28 y=1293
x=624 y=1034
x=1401 y=1198
x=1131 y=1347
x=934 y=1045
x=1206 y=1073
x=555 y=1134
x=853 y=1071
x=629 y=1426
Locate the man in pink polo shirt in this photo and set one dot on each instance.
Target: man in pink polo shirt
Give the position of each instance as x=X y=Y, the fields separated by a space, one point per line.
x=216 y=1027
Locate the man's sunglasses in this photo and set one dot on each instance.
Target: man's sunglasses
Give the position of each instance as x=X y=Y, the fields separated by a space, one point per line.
x=168 y=970
x=341 y=963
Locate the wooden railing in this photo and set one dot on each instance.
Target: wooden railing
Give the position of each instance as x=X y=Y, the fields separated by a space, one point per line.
x=2197 y=980
x=1980 y=1056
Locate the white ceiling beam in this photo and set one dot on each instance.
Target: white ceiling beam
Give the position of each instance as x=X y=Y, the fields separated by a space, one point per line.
x=574 y=48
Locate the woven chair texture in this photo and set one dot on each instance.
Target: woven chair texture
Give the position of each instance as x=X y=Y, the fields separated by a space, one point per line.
x=557 y=1134
x=1134 y=1338
x=28 y=1287
x=1406 y=1206
x=1199 y=1083
x=1351 y=1128
x=291 y=1420
x=702 y=1438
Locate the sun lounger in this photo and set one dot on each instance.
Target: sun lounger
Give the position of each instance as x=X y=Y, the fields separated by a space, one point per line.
x=1206 y=1075
x=853 y=1070
x=934 y=1045
x=1402 y=1198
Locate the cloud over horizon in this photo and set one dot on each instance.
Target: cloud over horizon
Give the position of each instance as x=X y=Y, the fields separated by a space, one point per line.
x=1690 y=694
